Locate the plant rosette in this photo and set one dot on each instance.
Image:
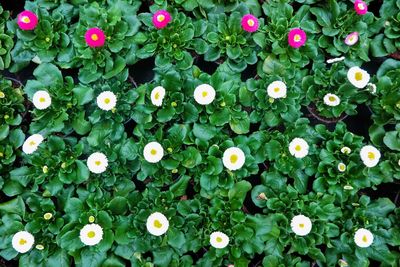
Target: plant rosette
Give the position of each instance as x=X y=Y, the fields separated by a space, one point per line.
x=276 y=52
x=6 y=40
x=57 y=102
x=230 y=42
x=337 y=22
x=304 y=221
x=173 y=44
x=328 y=93
x=118 y=24
x=47 y=42
x=340 y=171
x=388 y=42
x=366 y=233
x=274 y=100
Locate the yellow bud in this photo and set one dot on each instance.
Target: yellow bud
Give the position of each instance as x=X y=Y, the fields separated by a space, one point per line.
x=47 y=39
x=63 y=165
x=113 y=110
x=6 y=117
x=227 y=38
x=271 y=100
x=2 y=95
x=91 y=219
x=1 y=154
x=174 y=104
x=47 y=216
x=169 y=150
x=46 y=193
x=45 y=169
x=174 y=46
x=69 y=105
x=223 y=104
x=39 y=247
x=174 y=171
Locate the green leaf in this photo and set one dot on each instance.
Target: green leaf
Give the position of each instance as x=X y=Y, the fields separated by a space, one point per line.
x=179 y=187
x=118 y=205
x=380 y=208
x=191 y=157
x=48 y=74
x=392 y=140
x=176 y=239
x=237 y=194
x=83 y=94
x=4 y=130
x=15 y=205
x=204 y=131
x=240 y=125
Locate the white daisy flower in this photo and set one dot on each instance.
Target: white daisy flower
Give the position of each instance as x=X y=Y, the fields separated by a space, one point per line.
x=298 y=148
x=277 y=89
x=301 y=225
x=153 y=152
x=341 y=167
x=363 y=238
x=204 y=94
x=106 y=100
x=219 y=240
x=331 y=100
x=32 y=143
x=358 y=77
x=370 y=156
x=372 y=88
x=157 y=96
x=41 y=100
x=91 y=234
x=345 y=150
x=157 y=224
x=233 y=158
x=97 y=162
x=22 y=241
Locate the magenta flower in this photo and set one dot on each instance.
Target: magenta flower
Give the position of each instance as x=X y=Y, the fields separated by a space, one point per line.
x=161 y=19
x=360 y=7
x=95 y=37
x=351 y=39
x=297 y=37
x=27 y=20
x=250 y=23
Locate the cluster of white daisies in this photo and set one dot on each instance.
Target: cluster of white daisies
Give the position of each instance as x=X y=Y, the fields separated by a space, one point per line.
x=157 y=224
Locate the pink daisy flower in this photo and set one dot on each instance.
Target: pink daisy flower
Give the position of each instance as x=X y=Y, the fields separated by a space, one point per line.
x=351 y=39
x=297 y=37
x=161 y=19
x=250 y=23
x=360 y=7
x=27 y=20
x=95 y=37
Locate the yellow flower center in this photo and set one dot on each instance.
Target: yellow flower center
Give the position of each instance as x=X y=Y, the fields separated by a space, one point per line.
x=301 y=225
x=91 y=219
x=276 y=89
x=42 y=99
x=361 y=6
x=157 y=96
x=157 y=224
x=233 y=158
x=94 y=37
x=26 y=19
x=204 y=93
x=250 y=22
x=160 y=18
x=332 y=98
x=342 y=167
x=97 y=162
x=91 y=234
x=22 y=241
x=153 y=151
x=364 y=238
x=297 y=38
x=351 y=38
x=371 y=155
x=358 y=76
x=32 y=143
x=297 y=148
x=218 y=239
x=107 y=100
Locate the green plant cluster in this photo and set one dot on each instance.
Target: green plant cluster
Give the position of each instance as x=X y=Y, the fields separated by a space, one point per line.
x=52 y=193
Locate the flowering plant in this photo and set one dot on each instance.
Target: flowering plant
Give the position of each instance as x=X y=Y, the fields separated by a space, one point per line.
x=199 y=133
